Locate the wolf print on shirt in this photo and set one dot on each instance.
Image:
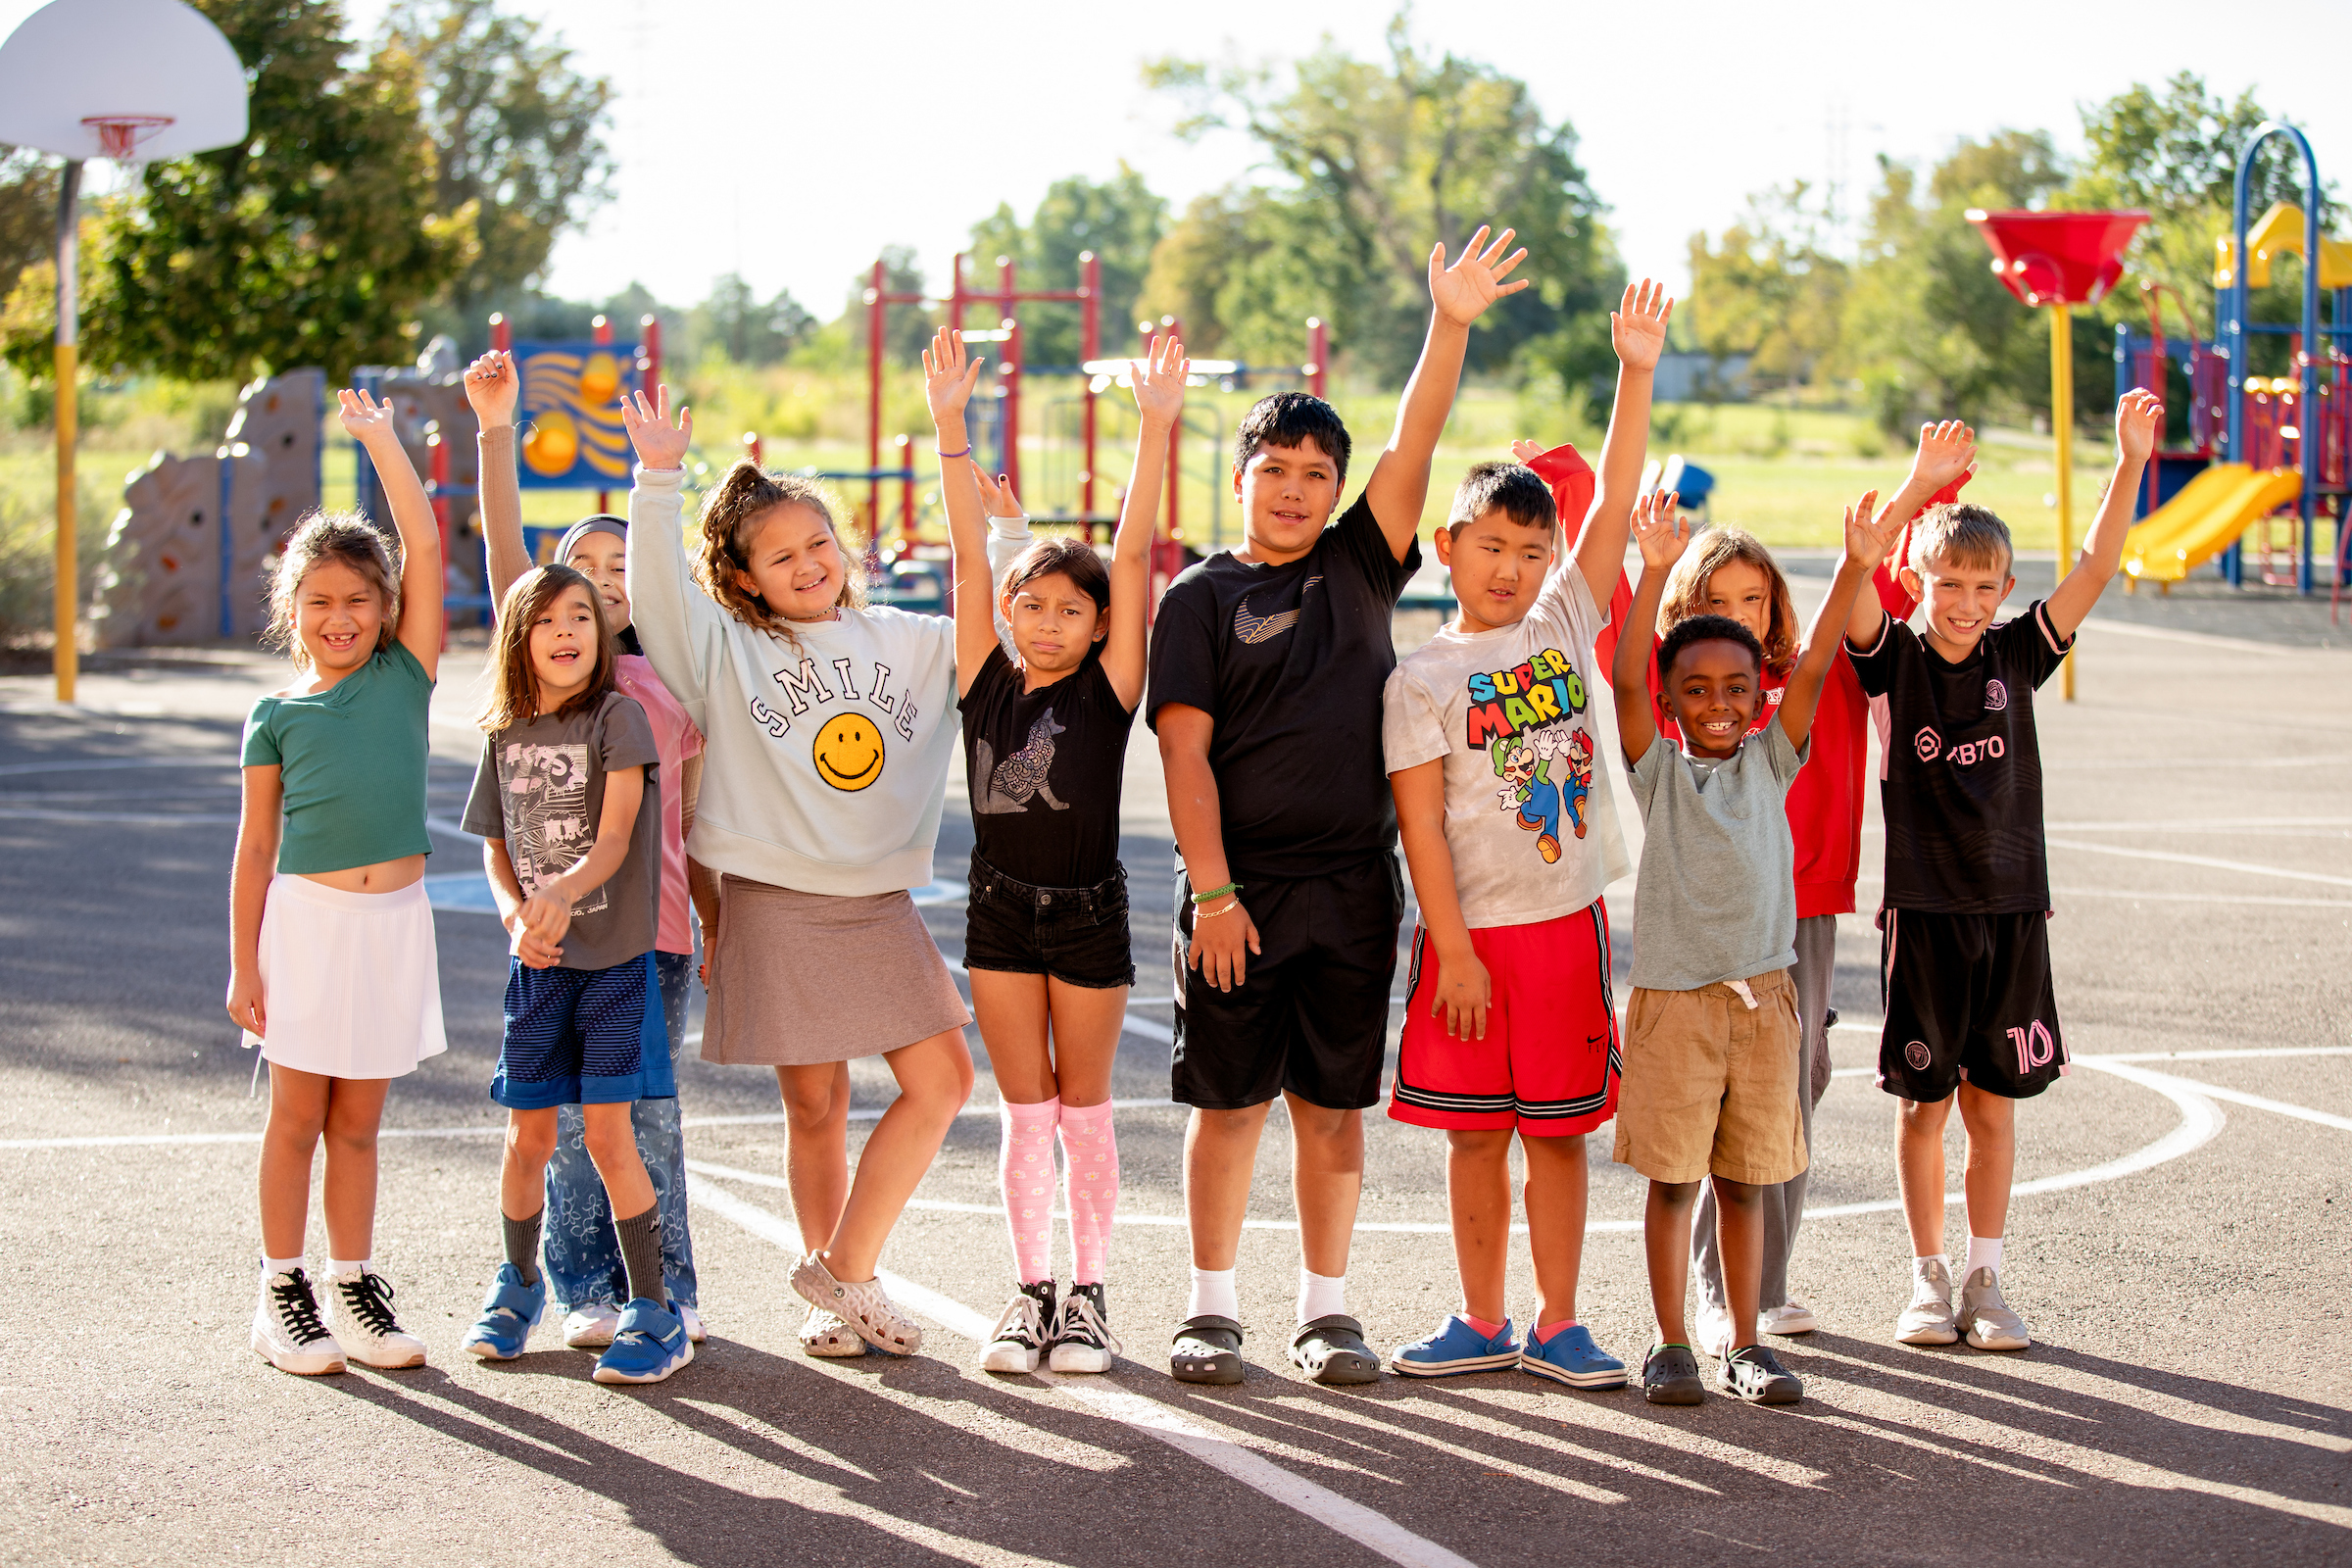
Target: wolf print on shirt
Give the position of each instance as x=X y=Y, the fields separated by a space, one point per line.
x=1010 y=785
x=548 y=829
x=1255 y=629
x=1529 y=720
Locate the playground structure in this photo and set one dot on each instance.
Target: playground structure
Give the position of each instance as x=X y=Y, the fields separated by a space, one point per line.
x=2261 y=449
x=187 y=557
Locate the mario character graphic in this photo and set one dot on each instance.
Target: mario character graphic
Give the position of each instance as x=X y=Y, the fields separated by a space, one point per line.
x=1535 y=799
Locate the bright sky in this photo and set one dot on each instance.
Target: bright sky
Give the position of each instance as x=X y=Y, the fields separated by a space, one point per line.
x=789 y=142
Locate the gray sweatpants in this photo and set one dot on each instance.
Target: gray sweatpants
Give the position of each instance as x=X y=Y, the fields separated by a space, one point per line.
x=1785 y=1205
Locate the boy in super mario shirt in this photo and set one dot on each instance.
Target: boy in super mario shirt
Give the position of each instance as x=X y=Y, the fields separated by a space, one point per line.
x=1964 y=954
x=1509 y=1026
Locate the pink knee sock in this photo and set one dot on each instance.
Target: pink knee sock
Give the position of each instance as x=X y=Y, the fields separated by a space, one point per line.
x=1090 y=1151
x=1026 y=1174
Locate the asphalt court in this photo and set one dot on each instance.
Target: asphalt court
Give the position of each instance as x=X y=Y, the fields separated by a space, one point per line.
x=2178 y=1242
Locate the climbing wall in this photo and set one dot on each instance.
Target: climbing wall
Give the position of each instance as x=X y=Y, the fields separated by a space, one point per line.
x=278 y=423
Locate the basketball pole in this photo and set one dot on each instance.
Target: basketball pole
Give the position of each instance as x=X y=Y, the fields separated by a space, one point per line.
x=69 y=345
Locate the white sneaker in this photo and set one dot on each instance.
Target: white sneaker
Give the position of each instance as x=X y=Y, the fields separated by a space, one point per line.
x=1712 y=1332
x=1987 y=1318
x=1791 y=1316
x=286 y=1329
x=1928 y=1320
x=592 y=1327
x=1082 y=1340
x=825 y=1333
x=361 y=1305
x=693 y=1321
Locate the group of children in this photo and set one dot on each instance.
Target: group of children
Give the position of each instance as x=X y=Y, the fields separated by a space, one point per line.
x=724 y=722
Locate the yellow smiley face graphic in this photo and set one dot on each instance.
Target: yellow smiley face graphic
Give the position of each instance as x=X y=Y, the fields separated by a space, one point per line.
x=849 y=752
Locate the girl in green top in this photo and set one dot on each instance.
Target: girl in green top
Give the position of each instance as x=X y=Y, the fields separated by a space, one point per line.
x=332 y=969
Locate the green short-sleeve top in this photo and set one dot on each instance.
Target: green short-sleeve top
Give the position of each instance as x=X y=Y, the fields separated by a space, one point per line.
x=352 y=761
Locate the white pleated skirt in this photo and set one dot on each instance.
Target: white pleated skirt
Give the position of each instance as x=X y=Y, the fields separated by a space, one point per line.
x=350 y=981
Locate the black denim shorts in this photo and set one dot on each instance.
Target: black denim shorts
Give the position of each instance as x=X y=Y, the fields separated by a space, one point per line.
x=1076 y=935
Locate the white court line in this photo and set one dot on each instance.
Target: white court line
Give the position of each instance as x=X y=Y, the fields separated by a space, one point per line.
x=1374 y=1530
x=2238 y=1096
x=2174 y=858
x=35 y=814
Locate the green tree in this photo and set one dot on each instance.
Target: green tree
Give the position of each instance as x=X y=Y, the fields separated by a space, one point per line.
x=908 y=330
x=518 y=139
x=734 y=321
x=28 y=212
x=1383 y=160
x=313 y=241
x=1118 y=219
x=1768 y=288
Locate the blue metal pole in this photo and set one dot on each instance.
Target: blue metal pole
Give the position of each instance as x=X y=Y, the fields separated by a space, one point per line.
x=2307 y=378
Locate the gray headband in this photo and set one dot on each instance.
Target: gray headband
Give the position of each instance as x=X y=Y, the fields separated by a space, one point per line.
x=602 y=522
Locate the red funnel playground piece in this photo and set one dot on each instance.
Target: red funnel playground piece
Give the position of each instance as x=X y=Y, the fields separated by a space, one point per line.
x=2058 y=258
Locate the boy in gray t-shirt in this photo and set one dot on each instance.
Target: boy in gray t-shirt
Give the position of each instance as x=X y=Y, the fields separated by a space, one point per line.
x=1712 y=1042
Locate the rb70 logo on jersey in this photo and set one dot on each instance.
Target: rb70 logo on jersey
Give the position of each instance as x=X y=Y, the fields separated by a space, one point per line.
x=1931 y=747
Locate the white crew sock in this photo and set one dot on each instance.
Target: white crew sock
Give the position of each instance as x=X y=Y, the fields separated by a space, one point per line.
x=1983 y=1252
x=337 y=1267
x=280 y=1265
x=1321 y=1295
x=1920 y=1265
x=1213 y=1295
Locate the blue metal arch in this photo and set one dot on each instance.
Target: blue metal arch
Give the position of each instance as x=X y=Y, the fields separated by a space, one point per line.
x=2234 y=328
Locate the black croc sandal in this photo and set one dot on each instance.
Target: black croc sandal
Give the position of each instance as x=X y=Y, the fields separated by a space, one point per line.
x=1331 y=1350
x=1207 y=1349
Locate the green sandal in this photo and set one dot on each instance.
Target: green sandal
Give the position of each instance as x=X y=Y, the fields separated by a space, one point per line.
x=1331 y=1350
x=1208 y=1349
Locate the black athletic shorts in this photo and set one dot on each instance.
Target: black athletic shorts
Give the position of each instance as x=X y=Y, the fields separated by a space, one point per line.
x=1311 y=1014
x=1076 y=935
x=1968 y=996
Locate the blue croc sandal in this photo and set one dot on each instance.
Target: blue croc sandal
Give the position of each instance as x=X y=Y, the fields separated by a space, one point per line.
x=1455 y=1349
x=1570 y=1356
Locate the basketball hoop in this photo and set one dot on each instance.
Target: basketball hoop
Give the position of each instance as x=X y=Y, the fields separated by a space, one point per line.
x=120 y=134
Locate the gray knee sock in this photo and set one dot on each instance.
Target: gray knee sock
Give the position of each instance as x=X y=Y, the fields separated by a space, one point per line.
x=522 y=1244
x=641 y=1253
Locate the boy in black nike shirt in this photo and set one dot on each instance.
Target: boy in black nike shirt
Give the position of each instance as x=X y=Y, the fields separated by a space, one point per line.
x=1267 y=663
x=1964 y=952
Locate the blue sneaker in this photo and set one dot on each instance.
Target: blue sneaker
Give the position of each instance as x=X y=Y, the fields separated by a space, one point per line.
x=1570 y=1356
x=1456 y=1347
x=649 y=1346
x=510 y=1312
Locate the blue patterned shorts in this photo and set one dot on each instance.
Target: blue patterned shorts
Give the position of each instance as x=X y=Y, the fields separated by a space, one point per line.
x=577 y=1037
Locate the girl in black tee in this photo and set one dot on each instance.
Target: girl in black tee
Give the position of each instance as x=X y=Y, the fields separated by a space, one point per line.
x=1046 y=714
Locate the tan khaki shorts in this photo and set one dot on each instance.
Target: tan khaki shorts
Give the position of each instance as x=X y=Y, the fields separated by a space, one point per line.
x=1710 y=1084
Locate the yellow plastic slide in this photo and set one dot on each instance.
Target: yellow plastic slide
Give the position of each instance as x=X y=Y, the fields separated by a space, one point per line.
x=2205 y=519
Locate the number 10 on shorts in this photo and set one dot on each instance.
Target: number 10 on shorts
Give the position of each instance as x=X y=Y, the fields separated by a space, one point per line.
x=2034 y=1045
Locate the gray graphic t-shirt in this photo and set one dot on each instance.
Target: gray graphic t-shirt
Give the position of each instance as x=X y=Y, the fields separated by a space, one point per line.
x=541 y=788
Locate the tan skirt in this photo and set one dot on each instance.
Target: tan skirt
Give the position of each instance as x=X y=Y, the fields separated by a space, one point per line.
x=807 y=978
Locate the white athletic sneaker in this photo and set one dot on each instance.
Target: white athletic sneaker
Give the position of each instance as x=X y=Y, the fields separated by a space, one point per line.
x=361 y=1305
x=286 y=1329
x=1986 y=1318
x=693 y=1321
x=825 y=1333
x=1928 y=1320
x=1021 y=1334
x=1712 y=1331
x=592 y=1327
x=1791 y=1316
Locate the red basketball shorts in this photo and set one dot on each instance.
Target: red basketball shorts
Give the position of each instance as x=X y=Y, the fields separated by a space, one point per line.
x=1548 y=1064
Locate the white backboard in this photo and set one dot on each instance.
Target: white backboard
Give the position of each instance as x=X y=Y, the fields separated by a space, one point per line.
x=74 y=63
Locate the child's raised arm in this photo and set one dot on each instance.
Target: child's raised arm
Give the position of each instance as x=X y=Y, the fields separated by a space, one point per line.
x=370 y=423
x=1868 y=538
x=1458 y=295
x=948 y=376
x=1638 y=329
x=493 y=389
x=1159 y=381
x=1663 y=534
x=1946 y=456
x=2138 y=424
x=679 y=624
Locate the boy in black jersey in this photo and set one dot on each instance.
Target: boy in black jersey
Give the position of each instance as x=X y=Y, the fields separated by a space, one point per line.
x=1267 y=663
x=1964 y=956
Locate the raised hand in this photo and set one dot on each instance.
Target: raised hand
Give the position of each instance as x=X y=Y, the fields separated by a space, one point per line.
x=368 y=421
x=493 y=389
x=1638 y=326
x=1463 y=292
x=1869 y=534
x=659 y=441
x=1159 y=381
x=2138 y=424
x=1527 y=451
x=948 y=376
x=1661 y=530
x=1947 y=451
x=996 y=494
